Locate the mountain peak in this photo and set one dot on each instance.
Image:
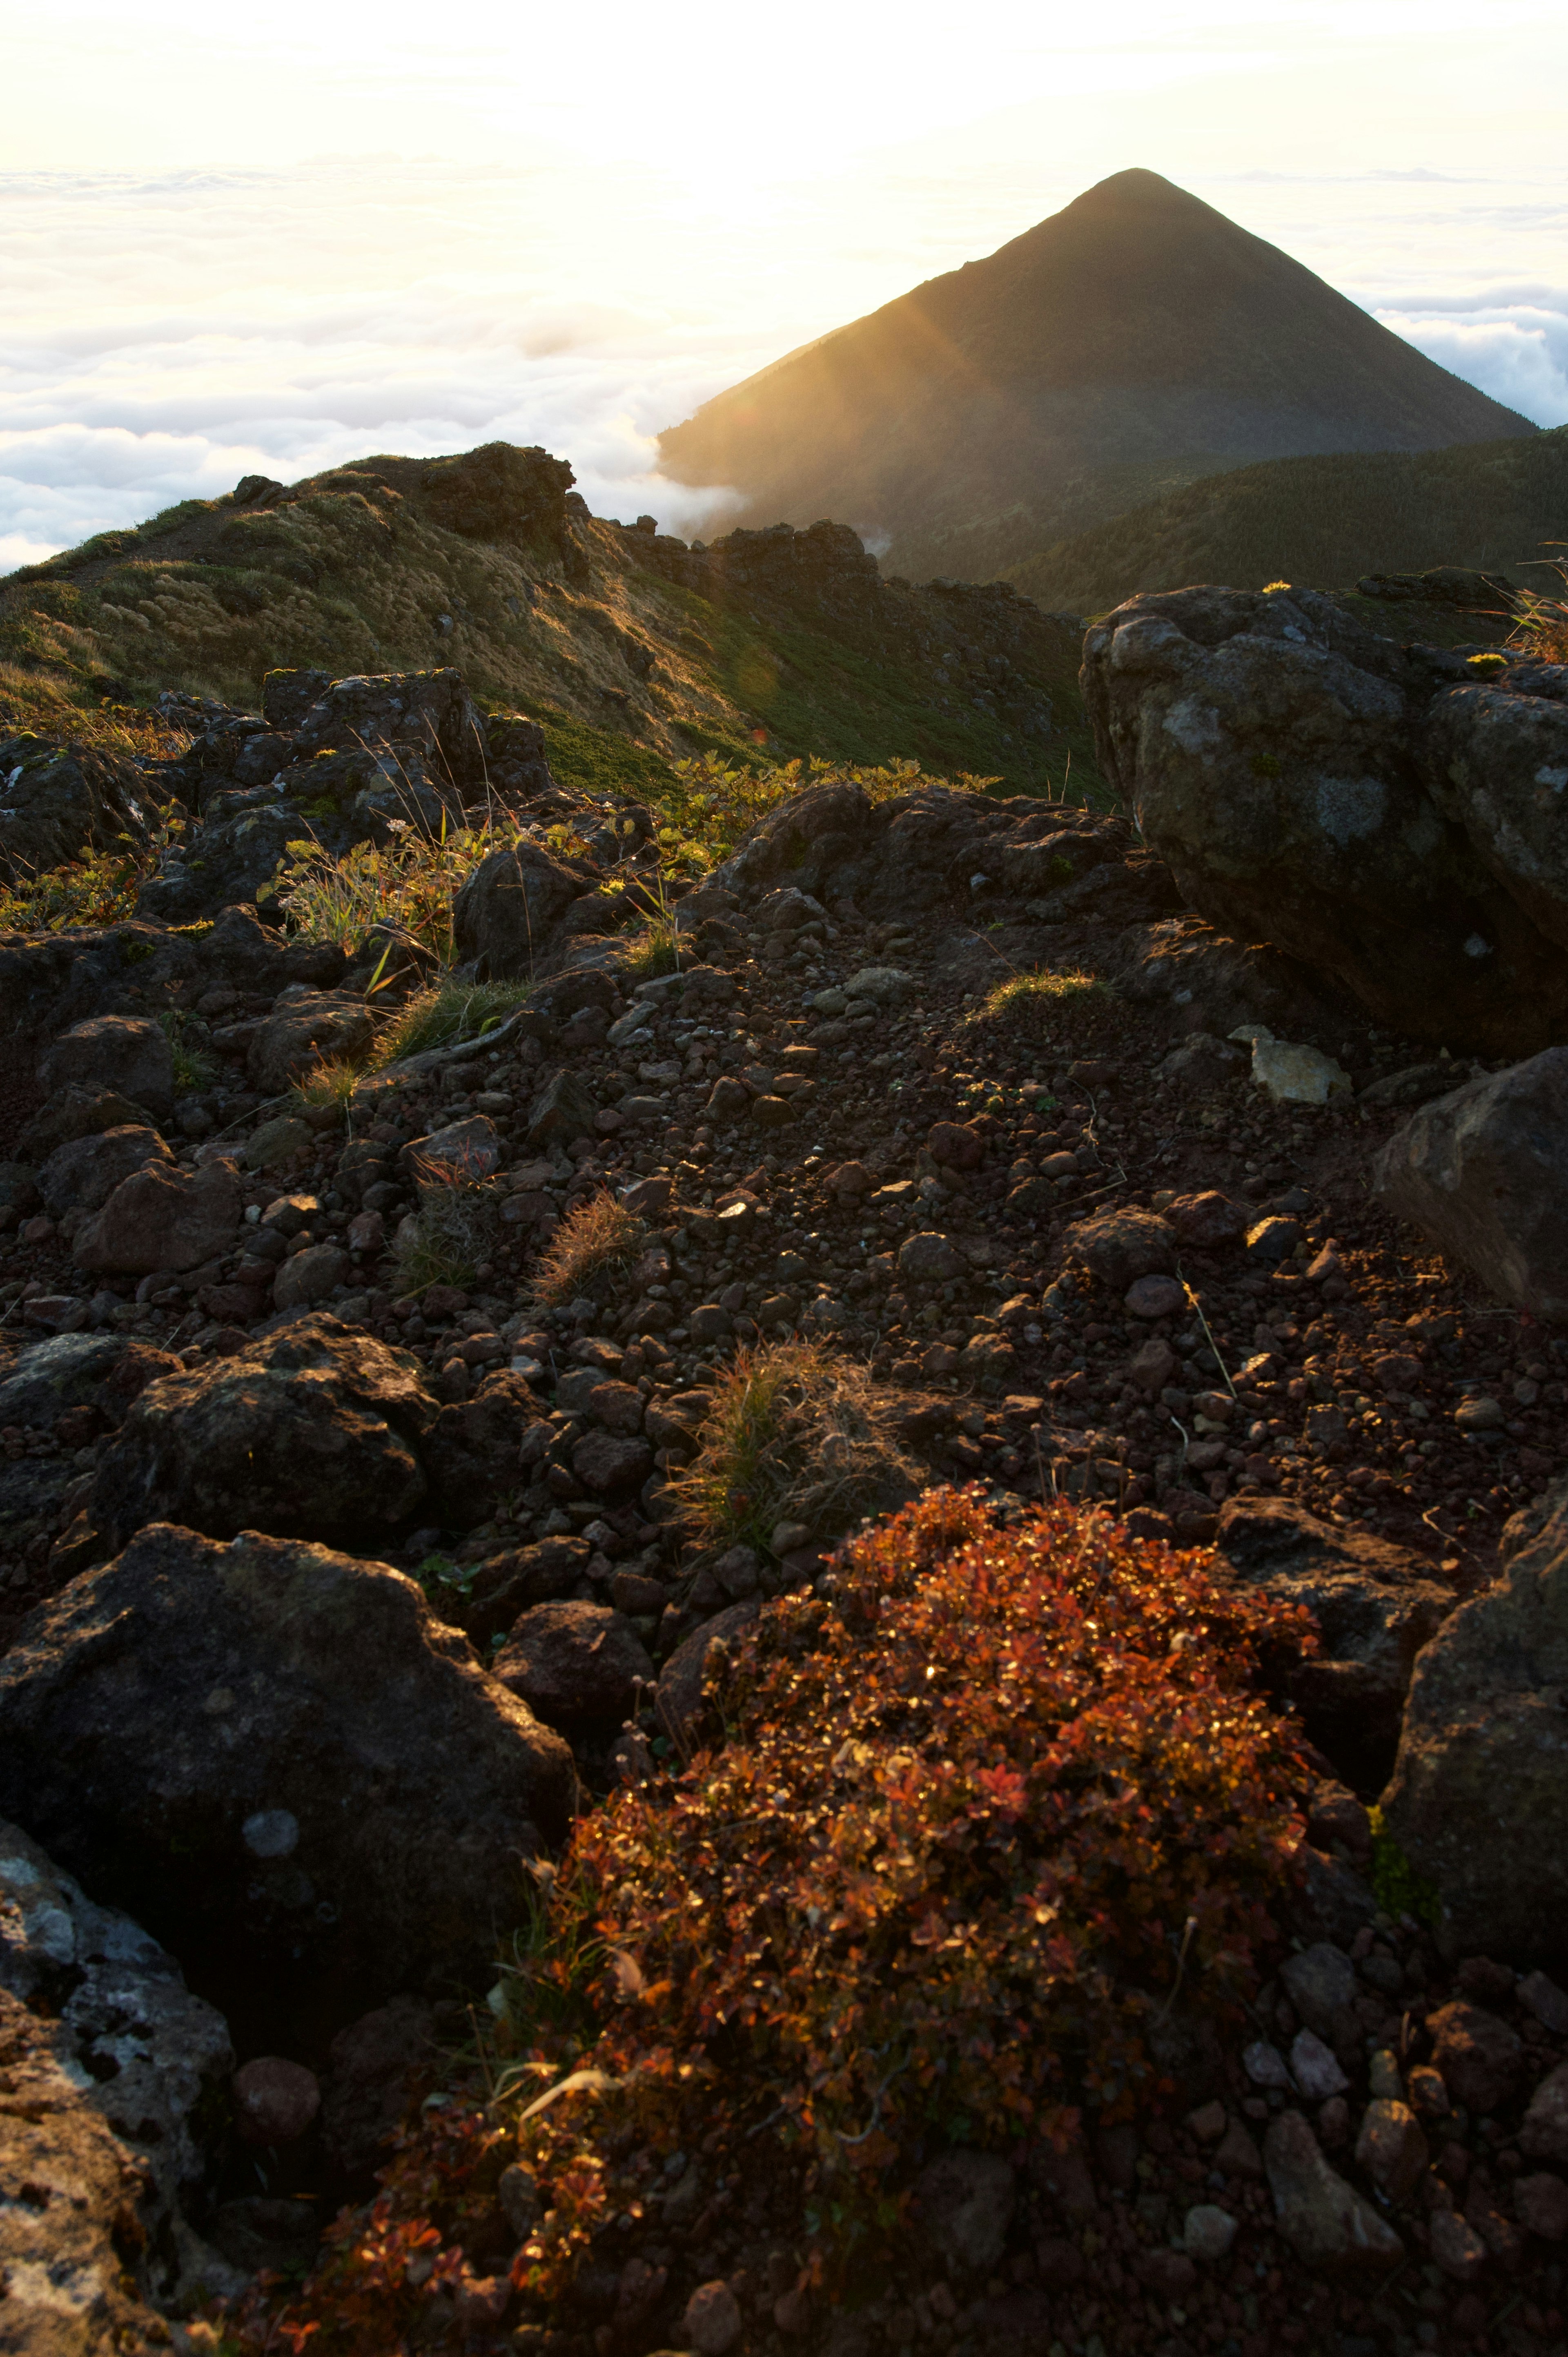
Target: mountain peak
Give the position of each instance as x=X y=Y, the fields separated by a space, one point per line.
x=1136 y=337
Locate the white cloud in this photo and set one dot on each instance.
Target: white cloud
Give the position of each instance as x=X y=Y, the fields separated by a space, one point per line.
x=1515 y=352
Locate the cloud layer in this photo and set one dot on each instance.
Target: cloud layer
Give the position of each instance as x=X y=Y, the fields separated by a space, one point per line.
x=170 y=331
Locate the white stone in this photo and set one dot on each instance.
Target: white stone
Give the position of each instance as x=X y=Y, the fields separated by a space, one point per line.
x=1297 y=1075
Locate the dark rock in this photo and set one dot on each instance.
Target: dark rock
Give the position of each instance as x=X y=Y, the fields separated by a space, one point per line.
x=572 y=1662
x=1329 y=2226
x=83 y=1174
x=470 y=1452
x=1375 y=1605
x=311 y=1789
x=1482 y=1173
x=72 y=1112
x=306 y=1028
x=506 y=1585
x=563 y=1109
x=679 y=1699
x=120 y=1051
x=161 y=1218
x=964 y=2206
x=63 y=800
x=48 y=1379
x=507 y=909
x=1480 y=2057
x=316 y=1429
x=1482 y=1767
x=382 y=2064
x=1119 y=1247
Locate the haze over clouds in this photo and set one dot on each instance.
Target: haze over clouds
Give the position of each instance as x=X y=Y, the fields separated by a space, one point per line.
x=221 y=255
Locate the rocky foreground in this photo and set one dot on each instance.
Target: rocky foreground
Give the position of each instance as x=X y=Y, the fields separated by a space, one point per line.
x=353 y=1527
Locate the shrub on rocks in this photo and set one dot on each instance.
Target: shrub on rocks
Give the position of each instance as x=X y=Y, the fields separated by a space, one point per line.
x=974 y=1823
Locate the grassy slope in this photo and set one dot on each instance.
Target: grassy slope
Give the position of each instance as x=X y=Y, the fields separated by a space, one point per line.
x=1499 y=505
x=351 y=573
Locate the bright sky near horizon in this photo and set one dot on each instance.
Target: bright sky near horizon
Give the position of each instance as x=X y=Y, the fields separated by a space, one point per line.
x=271 y=243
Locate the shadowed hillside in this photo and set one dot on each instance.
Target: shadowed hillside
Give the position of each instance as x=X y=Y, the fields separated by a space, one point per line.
x=1493 y=505
x=1134 y=338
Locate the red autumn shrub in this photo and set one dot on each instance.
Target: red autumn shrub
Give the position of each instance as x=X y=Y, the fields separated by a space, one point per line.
x=970 y=1828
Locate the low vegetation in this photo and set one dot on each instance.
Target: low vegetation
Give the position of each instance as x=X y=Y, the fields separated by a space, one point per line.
x=978 y=1826
x=456 y=1230
x=446 y=1014
x=799 y=1438
x=597 y=1240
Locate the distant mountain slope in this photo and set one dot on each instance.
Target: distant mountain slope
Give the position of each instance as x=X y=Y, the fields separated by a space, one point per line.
x=1324 y=521
x=630 y=648
x=1136 y=336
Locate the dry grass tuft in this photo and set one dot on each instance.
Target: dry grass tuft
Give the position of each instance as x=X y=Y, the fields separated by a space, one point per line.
x=331 y=1083
x=598 y=1238
x=451 y=1012
x=456 y=1230
x=32 y=700
x=1542 y=628
x=795 y=1435
x=1031 y=1000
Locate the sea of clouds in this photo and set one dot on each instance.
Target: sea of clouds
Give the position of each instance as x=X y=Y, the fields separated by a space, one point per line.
x=170 y=332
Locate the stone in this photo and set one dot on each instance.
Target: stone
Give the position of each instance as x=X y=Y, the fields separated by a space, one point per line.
x=709 y=1323
x=1320 y=1982
x=678 y=1700
x=1376 y=1606
x=1328 y=2225
x=125 y=1052
x=563 y=1109
x=930 y=1259
x=956 y=1144
x=275 y=2101
x=1208 y=1221
x=471 y=1453
x=506 y=1585
x=151 y=2057
x=311 y=1275
x=1266 y=2066
x=1480 y=1416
x=1297 y=1075
x=158 y=1705
x=1120 y=1247
x=1540 y=2206
x=381 y=2065
x=611 y=1465
x=161 y=1218
x=273 y=1142
x=472 y=1146
x=82 y=1173
x=48 y=1379
x=1315 y=2068
x=1273 y=1239
x=963 y=2207
x=711 y=2322
x=572 y=1662
x=1299 y=776
x=1482 y=1767
x=1481 y=1174
x=1208 y=2233
x=1155 y=1296
x=885 y=984
x=1390 y=2148
x=507 y=908
x=307 y=1028
x=1153 y=1365
x=1544 y=2136
x=1535 y=1990
x=315 y=1429
x=1480 y=2055
x=1455 y=2247
x=1237 y=2153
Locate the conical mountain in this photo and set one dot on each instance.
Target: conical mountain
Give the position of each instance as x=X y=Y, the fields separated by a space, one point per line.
x=1129 y=343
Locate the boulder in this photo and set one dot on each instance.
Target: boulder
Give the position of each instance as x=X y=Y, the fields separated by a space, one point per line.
x=507 y=908
x=1376 y=1605
x=82 y=1175
x=381 y=2064
x=470 y=1452
x=304 y=1781
x=68 y=2248
x=74 y=1112
x=123 y=1052
x=151 y=2057
x=1315 y=786
x=48 y=1379
x=314 y=1428
x=1482 y=1769
x=679 y=1698
x=162 y=1218
x=563 y=1109
x=1119 y=1247
x=307 y=1028
x=1483 y=1172
x=63 y=800
x=1329 y=2226
x=1497 y=764
x=506 y=1585
x=572 y=1662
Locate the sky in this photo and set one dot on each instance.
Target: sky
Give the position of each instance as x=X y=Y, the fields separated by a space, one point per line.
x=268 y=243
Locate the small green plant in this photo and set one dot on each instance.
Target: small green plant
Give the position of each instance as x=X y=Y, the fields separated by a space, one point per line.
x=596 y=1240
x=329 y=1083
x=1265 y=765
x=1397 y=1887
x=411 y=880
x=795 y=1434
x=1032 y=998
x=451 y=1012
x=455 y=1231
x=192 y=1067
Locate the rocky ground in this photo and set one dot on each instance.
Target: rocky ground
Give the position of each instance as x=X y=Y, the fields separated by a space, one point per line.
x=964 y=1092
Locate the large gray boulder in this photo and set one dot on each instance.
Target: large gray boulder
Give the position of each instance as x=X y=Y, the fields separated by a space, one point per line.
x=62 y=799
x=1308 y=786
x=1484 y=1173
x=1496 y=762
x=300 y=1778
x=1479 y=1791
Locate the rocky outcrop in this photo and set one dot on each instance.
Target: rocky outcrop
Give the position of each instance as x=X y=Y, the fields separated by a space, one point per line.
x=300 y=1778
x=149 y=2057
x=161 y=1218
x=59 y=801
x=1364 y=807
x=1484 y=1173
x=315 y=1430
x=1481 y=1778
x=507 y=910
